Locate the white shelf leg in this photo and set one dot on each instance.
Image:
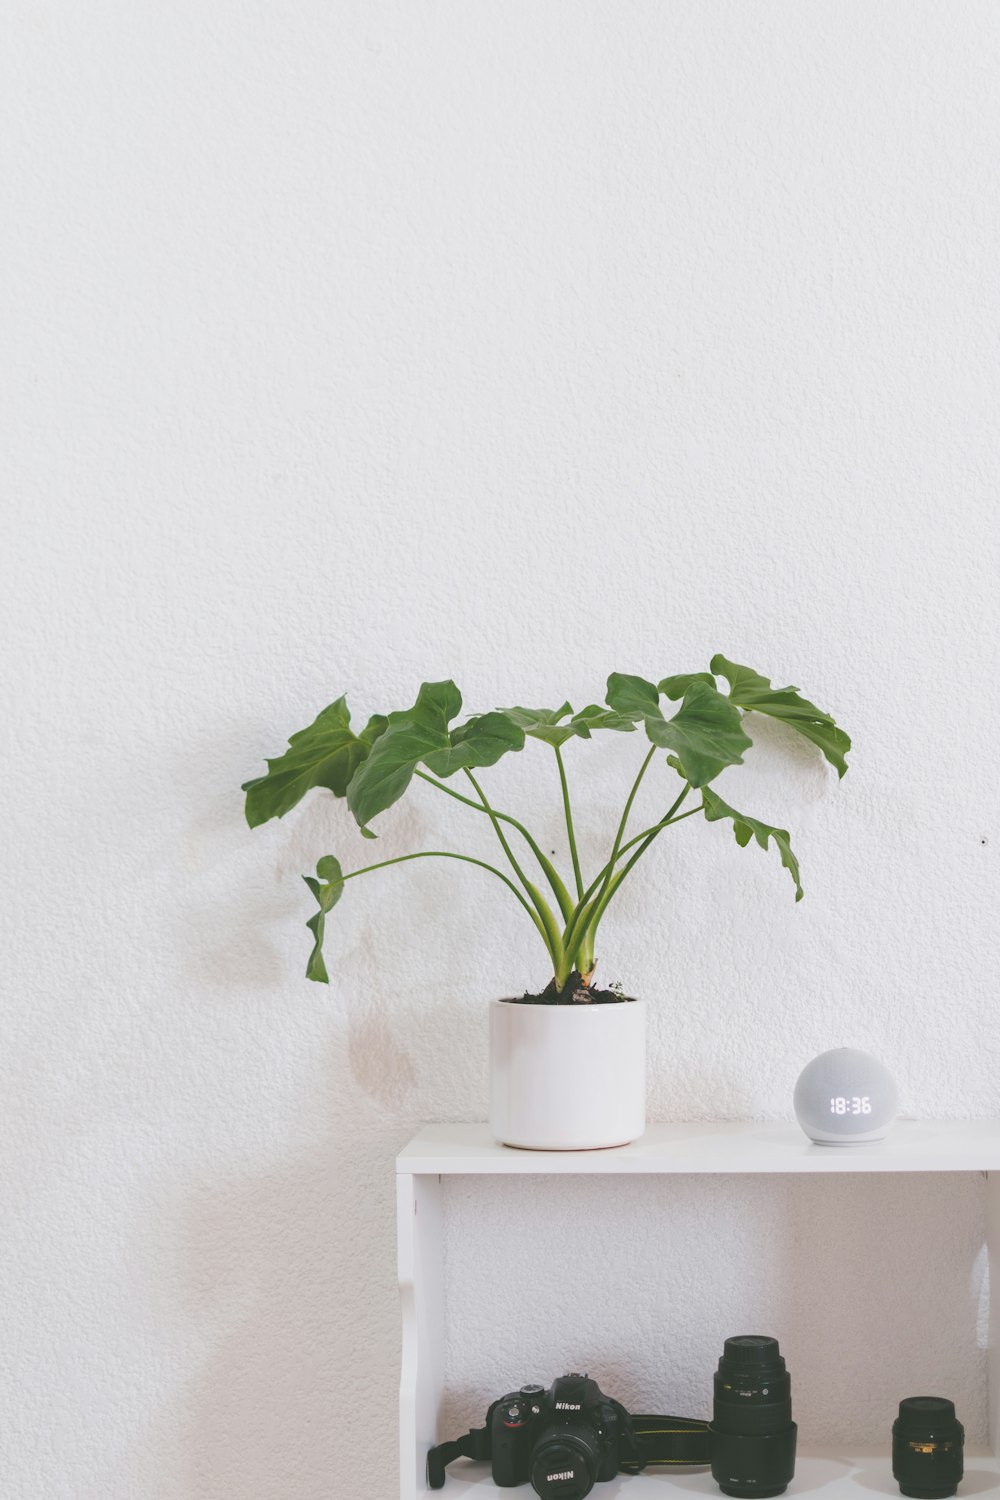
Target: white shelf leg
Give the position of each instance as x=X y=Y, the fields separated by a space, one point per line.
x=421 y=1291
x=993 y=1246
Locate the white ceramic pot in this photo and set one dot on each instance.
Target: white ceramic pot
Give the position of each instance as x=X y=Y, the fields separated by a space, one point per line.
x=567 y=1077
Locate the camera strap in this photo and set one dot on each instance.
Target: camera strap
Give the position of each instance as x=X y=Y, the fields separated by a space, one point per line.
x=667 y=1442
x=475 y=1444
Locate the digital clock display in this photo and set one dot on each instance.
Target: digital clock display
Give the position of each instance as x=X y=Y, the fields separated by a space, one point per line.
x=840 y=1105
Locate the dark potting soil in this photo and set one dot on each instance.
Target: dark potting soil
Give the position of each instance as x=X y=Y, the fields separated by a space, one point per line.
x=573 y=992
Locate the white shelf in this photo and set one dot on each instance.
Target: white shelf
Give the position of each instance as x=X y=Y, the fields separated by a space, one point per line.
x=437 y=1151
x=837 y=1477
x=717 y=1146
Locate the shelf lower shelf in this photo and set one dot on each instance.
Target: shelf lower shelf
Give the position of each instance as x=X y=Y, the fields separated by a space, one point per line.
x=440 y=1151
x=817 y=1471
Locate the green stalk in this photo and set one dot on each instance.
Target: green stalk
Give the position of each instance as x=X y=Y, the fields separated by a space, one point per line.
x=542 y=907
x=581 y=917
x=585 y=947
x=624 y=818
x=572 y=933
x=562 y=895
x=569 y=826
x=598 y=907
x=668 y=817
x=401 y=859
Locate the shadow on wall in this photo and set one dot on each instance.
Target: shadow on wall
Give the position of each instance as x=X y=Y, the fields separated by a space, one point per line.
x=294 y=1274
x=243 y=893
x=285 y=1401
x=290 y=1277
x=286 y=1280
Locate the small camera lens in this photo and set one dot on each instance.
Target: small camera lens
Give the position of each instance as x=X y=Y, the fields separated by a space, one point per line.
x=753 y=1435
x=564 y=1464
x=927 y=1448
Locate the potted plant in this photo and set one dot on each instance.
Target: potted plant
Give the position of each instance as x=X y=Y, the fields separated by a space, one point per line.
x=568 y=1063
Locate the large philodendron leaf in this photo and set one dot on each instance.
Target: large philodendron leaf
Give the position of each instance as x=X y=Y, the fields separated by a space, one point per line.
x=632 y=697
x=704 y=733
x=327 y=890
x=675 y=687
x=327 y=754
x=756 y=695
x=544 y=723
x=596 y=716
x=479 y=742
x=553 y=727
x=746 y=829
x=409 y=737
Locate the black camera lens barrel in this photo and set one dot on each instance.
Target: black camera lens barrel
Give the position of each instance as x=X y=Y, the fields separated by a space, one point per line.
x=564 y=1462
x=928 y=1444
x=753 y=1435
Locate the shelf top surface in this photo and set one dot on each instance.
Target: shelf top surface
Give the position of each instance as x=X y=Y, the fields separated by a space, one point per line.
x=715 y=1146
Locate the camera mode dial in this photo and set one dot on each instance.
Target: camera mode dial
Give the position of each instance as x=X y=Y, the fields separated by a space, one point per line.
x=516 y=1411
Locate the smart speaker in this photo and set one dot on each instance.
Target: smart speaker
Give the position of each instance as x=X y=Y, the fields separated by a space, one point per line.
x=845 y=1098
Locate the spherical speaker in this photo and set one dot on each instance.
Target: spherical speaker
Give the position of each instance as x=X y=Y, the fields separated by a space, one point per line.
x=845 y=1098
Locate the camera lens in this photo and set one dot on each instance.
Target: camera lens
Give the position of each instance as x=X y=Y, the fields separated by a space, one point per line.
x=564 y=1463
x=753 y=1435
x=927 y=1447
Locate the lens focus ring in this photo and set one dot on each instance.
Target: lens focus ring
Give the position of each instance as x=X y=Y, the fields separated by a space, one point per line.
x=564 y=1465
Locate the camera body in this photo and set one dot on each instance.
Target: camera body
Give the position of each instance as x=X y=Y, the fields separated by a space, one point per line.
x=563 y=1440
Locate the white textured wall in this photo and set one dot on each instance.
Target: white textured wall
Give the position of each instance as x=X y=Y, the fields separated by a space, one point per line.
x=350 y=344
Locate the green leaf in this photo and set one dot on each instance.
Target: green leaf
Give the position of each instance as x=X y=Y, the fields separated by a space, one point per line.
x=375 y=726
x=479 y=742
x=596 y=716
x=705 y=733
x=328 y=890
x=747 y=828
x=544 y=724
x=409 y=737
x=327 y=754
x=632 y=697
x=676 y=687
x=755 y=694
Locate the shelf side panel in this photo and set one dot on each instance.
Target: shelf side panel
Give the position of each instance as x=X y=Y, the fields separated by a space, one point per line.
x=993 y=1247
x=421 y=1297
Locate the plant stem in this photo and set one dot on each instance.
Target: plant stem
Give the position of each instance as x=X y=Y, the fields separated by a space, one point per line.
x=569 y=823
x=401 y=859
x=616 y=882
x=598 y=907
x=562 y=895
x=619 y=835
x=581 y=917
x=554 y=936
x=668 y=817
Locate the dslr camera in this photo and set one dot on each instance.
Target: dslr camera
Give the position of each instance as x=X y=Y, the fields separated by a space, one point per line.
x=566 y=1439
x=563 y=1440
